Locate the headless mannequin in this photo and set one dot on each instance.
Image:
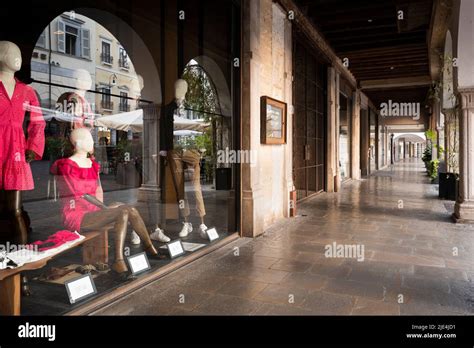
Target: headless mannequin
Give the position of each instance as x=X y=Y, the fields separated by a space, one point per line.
x=118 y=213
x=83 y=84
x=10 y=63
x=181 y=88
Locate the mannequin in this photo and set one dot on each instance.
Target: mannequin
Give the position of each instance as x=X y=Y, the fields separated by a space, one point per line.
x=76 y=103
x=176 y=160
x=79 y=175
x=15 y=173
x=159 y=234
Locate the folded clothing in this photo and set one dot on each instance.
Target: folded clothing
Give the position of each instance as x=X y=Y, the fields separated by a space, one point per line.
x=56 y=240
x=55 y=244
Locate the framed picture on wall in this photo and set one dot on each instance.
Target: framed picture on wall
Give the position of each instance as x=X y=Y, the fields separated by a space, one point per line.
x=273 y=121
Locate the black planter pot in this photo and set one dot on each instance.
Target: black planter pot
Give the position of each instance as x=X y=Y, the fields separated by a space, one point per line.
x=223 y=178
x=448 y=186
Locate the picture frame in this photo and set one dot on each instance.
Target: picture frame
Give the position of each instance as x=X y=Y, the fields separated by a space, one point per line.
x=273 y=121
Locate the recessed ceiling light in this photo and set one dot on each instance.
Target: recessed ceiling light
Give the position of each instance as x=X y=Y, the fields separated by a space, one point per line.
x=392 y=67
x=369 y=20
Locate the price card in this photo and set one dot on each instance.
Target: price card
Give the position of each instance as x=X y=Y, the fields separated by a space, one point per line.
x=212 y=234
x=138 y=263
x=80 y=288
x=175 y=249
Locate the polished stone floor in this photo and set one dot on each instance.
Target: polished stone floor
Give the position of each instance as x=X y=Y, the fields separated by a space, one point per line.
x=415 y=260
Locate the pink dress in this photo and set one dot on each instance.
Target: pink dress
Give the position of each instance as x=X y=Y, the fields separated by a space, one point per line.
x=15 y=172
x=73 y=183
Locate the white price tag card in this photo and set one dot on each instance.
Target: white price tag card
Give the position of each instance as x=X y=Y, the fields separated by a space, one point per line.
x=175 y=249
x=139 y=263
x=80 y=288
x=212 y=234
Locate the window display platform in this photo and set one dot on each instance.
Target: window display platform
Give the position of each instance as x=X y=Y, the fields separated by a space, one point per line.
x=51 y=298
x=47 y=284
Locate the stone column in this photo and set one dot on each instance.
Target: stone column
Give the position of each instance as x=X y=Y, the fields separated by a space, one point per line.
x=355 y=132
x=464 y=207
x=331 y=170
x=149 y=194
x=150 y=182
x=338 y=179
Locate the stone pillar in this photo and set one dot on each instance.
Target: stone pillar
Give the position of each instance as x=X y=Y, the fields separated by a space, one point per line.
x=355 y=132
x=451 y=140
x=149 y=194
x=331 y=150
x=464 y=207
x=150 y=182
x=436 y=107
x=338 y=179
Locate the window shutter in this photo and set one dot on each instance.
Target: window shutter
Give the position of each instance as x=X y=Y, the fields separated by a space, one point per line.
x=61 y=36
x=42 y=40
x=86 y=43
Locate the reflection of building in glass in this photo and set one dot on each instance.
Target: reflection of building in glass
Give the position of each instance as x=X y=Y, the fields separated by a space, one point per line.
x=63 y=48
x=116 y=81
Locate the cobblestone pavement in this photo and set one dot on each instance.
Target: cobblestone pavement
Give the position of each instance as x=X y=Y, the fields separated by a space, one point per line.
x=416 y=261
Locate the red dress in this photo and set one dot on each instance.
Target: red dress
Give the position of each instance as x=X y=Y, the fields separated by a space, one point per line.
x=15 y=172
x=73 y=183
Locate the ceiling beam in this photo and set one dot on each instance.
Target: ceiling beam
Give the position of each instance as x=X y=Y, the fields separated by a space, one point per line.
x=317 y=39
x=423 y=80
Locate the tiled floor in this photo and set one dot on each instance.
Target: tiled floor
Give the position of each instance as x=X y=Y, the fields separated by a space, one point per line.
x=408 y=267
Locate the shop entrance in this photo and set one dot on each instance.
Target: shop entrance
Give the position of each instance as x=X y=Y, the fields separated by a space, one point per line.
x=309 y=89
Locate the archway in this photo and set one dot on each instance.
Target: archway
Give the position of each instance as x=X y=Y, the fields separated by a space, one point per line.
x=123 y=78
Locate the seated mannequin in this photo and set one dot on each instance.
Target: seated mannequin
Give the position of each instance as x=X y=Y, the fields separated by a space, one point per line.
x=78 y=175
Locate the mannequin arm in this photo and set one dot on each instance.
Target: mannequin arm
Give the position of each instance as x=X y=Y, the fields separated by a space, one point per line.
x=35 y=143
x=99 y=193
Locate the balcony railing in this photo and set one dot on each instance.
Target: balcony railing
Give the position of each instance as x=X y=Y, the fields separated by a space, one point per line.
x=106 y=58
x=124 y=63
x=107 y=104
x=124 y=107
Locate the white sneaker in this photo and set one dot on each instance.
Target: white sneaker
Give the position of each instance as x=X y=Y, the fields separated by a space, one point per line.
x=135 y=239
x=159 y=236
x=187 y=228
x=202 y=231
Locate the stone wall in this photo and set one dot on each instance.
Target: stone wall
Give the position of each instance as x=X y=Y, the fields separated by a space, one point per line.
x=266 y=72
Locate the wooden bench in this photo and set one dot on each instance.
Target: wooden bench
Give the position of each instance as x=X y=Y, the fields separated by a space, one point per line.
x=95 y=249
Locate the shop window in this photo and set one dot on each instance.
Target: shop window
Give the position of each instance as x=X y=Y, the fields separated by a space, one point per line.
x=121 y=106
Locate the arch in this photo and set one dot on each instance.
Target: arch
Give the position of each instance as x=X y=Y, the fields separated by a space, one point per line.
x=217 y=77
x=448 y=100
x=414 y=138
x=135 y=47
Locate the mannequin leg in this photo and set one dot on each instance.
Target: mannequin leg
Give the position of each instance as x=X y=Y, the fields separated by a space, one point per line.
x=120 y=216
x=139 y=226
x=13 y=205
x=192 y=158
x=120 y=228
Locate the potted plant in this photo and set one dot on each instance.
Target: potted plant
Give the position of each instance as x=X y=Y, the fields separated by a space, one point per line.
x=449 y=180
